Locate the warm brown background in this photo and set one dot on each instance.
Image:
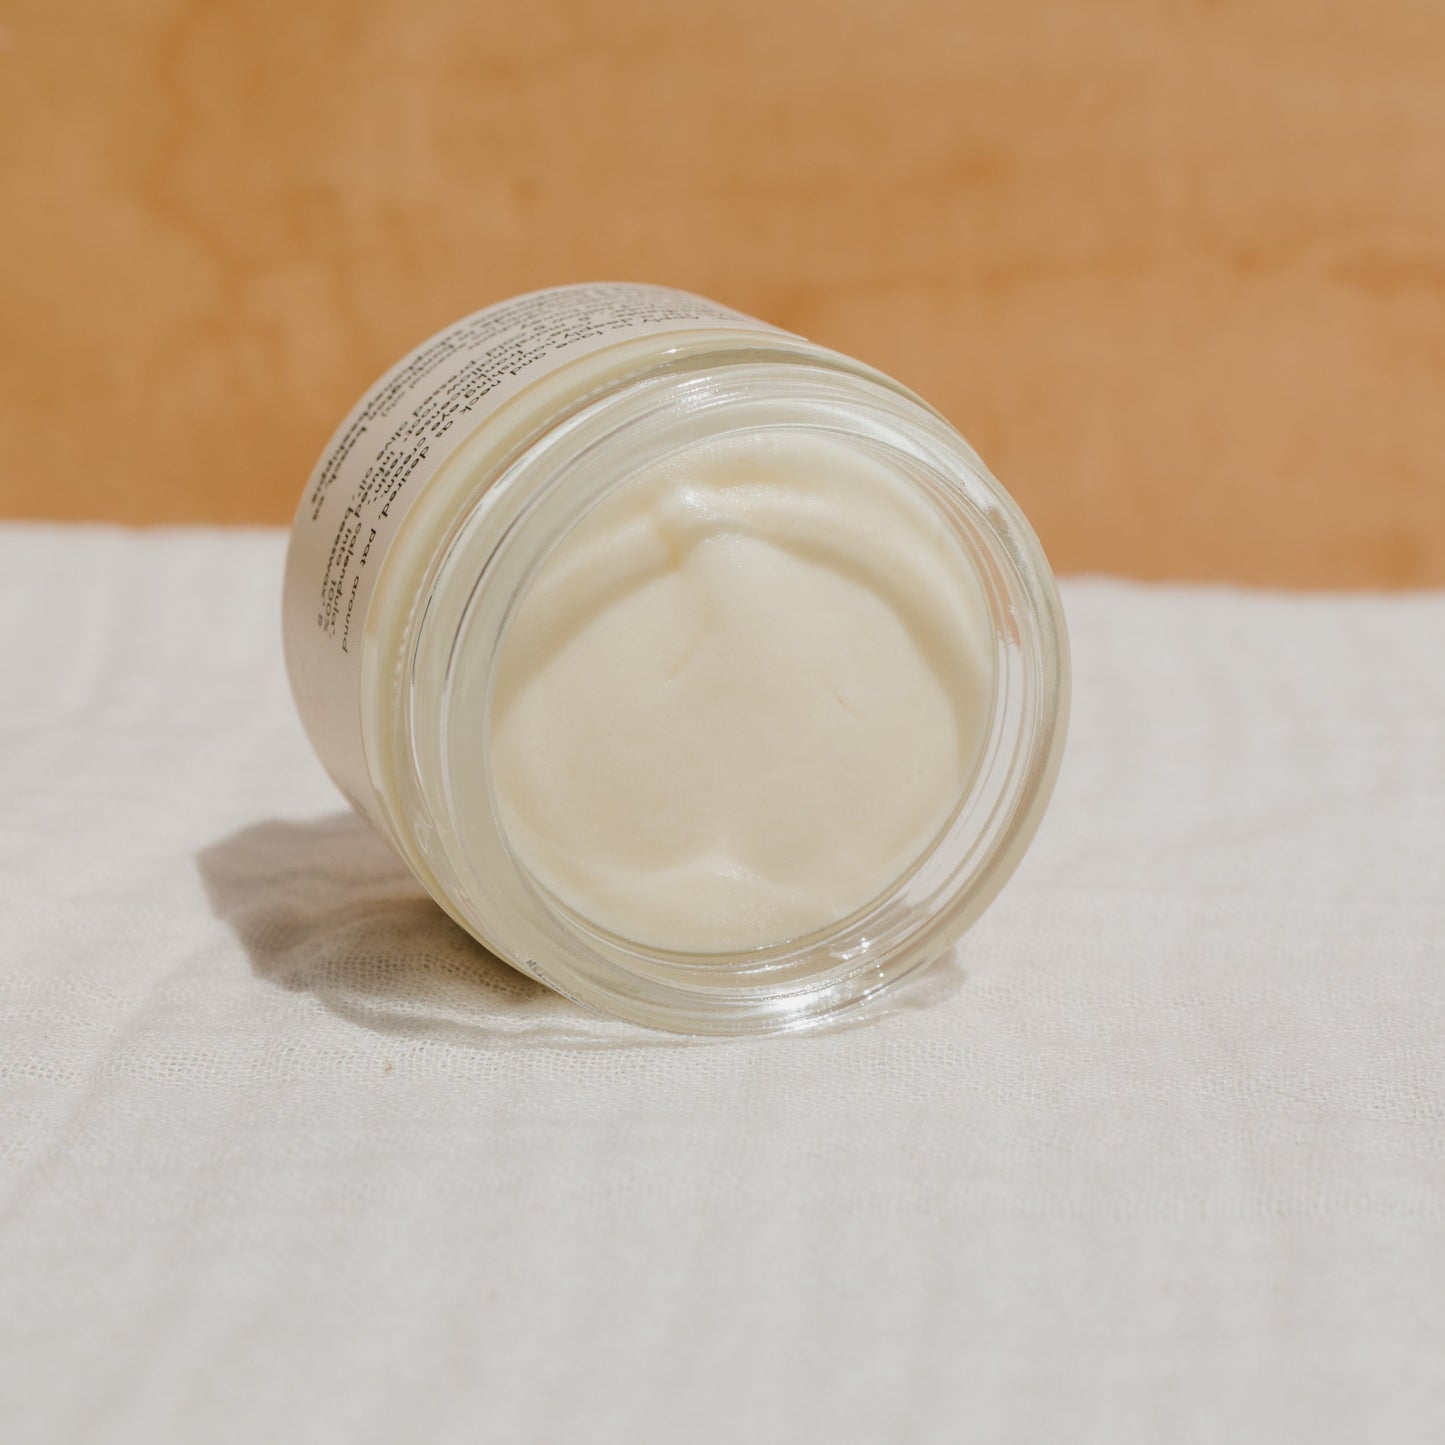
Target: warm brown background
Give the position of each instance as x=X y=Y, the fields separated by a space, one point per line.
x=1177 y=269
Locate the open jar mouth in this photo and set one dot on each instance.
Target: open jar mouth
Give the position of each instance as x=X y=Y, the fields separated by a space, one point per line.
x=515 y=517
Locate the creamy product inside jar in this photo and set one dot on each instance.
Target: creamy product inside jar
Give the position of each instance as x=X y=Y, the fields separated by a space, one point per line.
x=742 y=697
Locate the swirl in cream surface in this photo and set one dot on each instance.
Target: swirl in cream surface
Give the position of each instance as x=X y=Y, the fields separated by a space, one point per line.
x=742 y=697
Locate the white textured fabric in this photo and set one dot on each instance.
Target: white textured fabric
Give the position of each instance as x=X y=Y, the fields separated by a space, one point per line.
x=1159 y=1155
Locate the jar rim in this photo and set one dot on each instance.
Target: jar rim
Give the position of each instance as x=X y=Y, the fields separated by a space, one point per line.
x=517 y=513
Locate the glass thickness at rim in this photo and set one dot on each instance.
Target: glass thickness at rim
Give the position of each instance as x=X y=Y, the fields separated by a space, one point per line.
x=509 y=528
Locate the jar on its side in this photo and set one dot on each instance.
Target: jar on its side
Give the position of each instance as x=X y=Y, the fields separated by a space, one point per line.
x=701 y=673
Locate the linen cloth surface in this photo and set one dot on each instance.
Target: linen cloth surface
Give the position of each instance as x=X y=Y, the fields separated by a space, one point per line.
x=1158 y=1153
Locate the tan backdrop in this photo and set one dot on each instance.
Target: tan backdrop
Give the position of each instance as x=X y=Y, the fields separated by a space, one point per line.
x=1177 y=269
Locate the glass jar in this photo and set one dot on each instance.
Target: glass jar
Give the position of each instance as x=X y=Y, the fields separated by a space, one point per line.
x=456 y=480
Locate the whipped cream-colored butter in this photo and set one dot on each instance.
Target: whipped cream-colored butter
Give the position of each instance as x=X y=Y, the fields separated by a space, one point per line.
x=742 y=697
x=700 y=672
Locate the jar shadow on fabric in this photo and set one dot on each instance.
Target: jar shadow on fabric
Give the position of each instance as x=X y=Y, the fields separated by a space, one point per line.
x=324 y=907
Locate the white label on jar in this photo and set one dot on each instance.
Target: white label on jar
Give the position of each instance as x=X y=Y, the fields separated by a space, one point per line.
x=394 y=440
